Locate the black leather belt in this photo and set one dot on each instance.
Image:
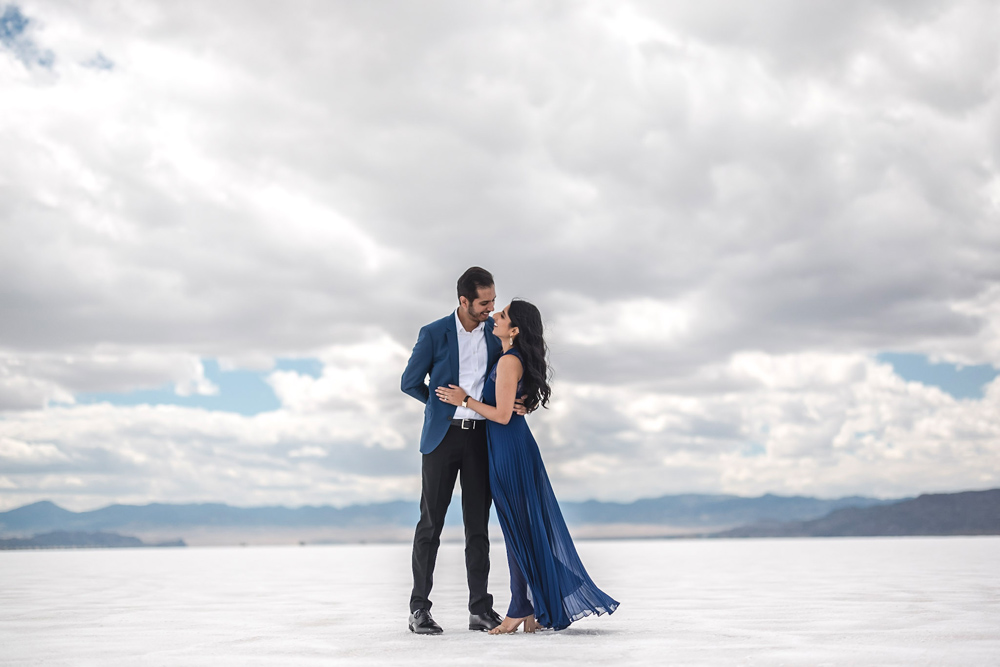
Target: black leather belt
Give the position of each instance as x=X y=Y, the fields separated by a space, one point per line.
x=466 y=424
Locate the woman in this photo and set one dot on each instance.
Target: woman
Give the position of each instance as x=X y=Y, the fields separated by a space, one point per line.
x=549 y=585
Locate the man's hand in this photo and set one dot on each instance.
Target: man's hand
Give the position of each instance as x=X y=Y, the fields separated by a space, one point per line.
x=519 y=408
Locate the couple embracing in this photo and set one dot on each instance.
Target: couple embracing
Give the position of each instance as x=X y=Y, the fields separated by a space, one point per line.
x=475 y=430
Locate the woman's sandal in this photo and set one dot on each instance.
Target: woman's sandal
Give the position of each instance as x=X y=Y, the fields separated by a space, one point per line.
x=501 y=630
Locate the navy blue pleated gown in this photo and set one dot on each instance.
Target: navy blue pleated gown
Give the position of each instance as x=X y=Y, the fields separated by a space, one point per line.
x=547 y=577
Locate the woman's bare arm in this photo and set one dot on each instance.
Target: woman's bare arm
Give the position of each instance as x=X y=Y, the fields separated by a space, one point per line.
x=509 y=372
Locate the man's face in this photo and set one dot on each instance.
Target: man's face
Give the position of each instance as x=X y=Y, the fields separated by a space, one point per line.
x=479 y=309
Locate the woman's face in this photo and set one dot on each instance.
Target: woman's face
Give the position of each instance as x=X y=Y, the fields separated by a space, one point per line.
x=501 y=323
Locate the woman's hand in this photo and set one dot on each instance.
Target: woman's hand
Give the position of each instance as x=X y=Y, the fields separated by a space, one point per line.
x=452 y=394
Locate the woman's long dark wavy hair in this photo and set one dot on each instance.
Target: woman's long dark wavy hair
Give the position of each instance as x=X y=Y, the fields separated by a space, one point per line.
x=531 y=345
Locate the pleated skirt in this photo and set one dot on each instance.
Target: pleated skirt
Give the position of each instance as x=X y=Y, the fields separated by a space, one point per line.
x=559 y=587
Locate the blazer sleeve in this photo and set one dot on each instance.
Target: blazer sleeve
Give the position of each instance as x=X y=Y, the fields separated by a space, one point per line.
x=417 y=368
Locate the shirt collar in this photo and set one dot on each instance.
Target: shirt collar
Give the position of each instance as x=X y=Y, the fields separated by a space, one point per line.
x=461 y=328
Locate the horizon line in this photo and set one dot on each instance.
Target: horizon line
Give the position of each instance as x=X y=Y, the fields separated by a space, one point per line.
x=416 y=501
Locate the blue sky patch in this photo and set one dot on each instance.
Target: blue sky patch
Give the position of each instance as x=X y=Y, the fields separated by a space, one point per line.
x=240 y=391
x=959 y=381
x=12 y=26
x=100 y=61
x=311 y=367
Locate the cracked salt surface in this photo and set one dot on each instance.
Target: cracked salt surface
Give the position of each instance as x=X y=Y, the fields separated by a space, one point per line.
x=874 y=601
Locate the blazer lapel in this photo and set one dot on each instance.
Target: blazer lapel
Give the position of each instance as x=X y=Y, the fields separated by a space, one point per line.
x=451 y=340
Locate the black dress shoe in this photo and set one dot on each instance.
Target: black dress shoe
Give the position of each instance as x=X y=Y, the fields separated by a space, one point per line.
x=485 y=621
x=422 y=623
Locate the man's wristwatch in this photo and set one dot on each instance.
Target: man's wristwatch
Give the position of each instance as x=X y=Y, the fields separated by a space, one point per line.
x=465 y=401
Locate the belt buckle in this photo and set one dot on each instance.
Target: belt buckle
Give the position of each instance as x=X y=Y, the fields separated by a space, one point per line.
x=466 y=428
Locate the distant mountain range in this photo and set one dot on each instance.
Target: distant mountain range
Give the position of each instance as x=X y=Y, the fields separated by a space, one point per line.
x=690 y=515
x=46 y=515
x=62 y=539
x=967 y=513
x=681 y=511
x=697 y=510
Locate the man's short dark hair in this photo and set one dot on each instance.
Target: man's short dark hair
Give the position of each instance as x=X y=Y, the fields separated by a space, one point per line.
x=470 y=282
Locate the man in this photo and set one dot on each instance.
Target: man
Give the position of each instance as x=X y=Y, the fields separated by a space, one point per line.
x=459 y=349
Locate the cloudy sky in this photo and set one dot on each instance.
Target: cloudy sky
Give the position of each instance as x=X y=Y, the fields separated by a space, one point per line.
x=765 y=238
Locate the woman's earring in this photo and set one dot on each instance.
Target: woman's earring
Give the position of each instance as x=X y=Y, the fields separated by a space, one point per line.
x=511 y=337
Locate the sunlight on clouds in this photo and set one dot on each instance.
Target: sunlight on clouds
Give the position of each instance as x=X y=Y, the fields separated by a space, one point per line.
x=656 y=413
x=795 y=371
x=196 y=382
x=18 y=392
x=306 y=452
x=991 y=189
x=179 y=162
x=986 y=344
x=588 y=467
x=631 y=322
x=16 y=452
x=297 y=221
x=354 y=376
x=358 y=388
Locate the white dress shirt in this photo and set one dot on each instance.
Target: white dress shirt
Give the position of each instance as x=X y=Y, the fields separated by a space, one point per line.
x=471 y=365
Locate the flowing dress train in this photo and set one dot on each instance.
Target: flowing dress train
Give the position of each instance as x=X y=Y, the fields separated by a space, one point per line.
x=547 y=577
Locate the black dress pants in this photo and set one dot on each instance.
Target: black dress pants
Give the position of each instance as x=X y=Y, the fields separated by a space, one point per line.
x=462 y=454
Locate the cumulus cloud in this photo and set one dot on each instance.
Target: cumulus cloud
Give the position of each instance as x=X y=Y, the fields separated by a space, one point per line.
x=723 y=212
x=802 y=424
x=139 y=453
x=34 y=379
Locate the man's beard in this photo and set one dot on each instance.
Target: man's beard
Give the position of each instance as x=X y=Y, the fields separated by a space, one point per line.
x=480 y=317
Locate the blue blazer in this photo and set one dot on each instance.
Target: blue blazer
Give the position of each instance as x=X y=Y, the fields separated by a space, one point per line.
x=436 y=354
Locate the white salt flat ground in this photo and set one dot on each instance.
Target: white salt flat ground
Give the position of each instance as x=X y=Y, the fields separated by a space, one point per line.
x=916 y=601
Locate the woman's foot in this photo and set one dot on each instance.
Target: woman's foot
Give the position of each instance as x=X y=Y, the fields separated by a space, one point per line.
x=530 y=624
x=509 y=626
